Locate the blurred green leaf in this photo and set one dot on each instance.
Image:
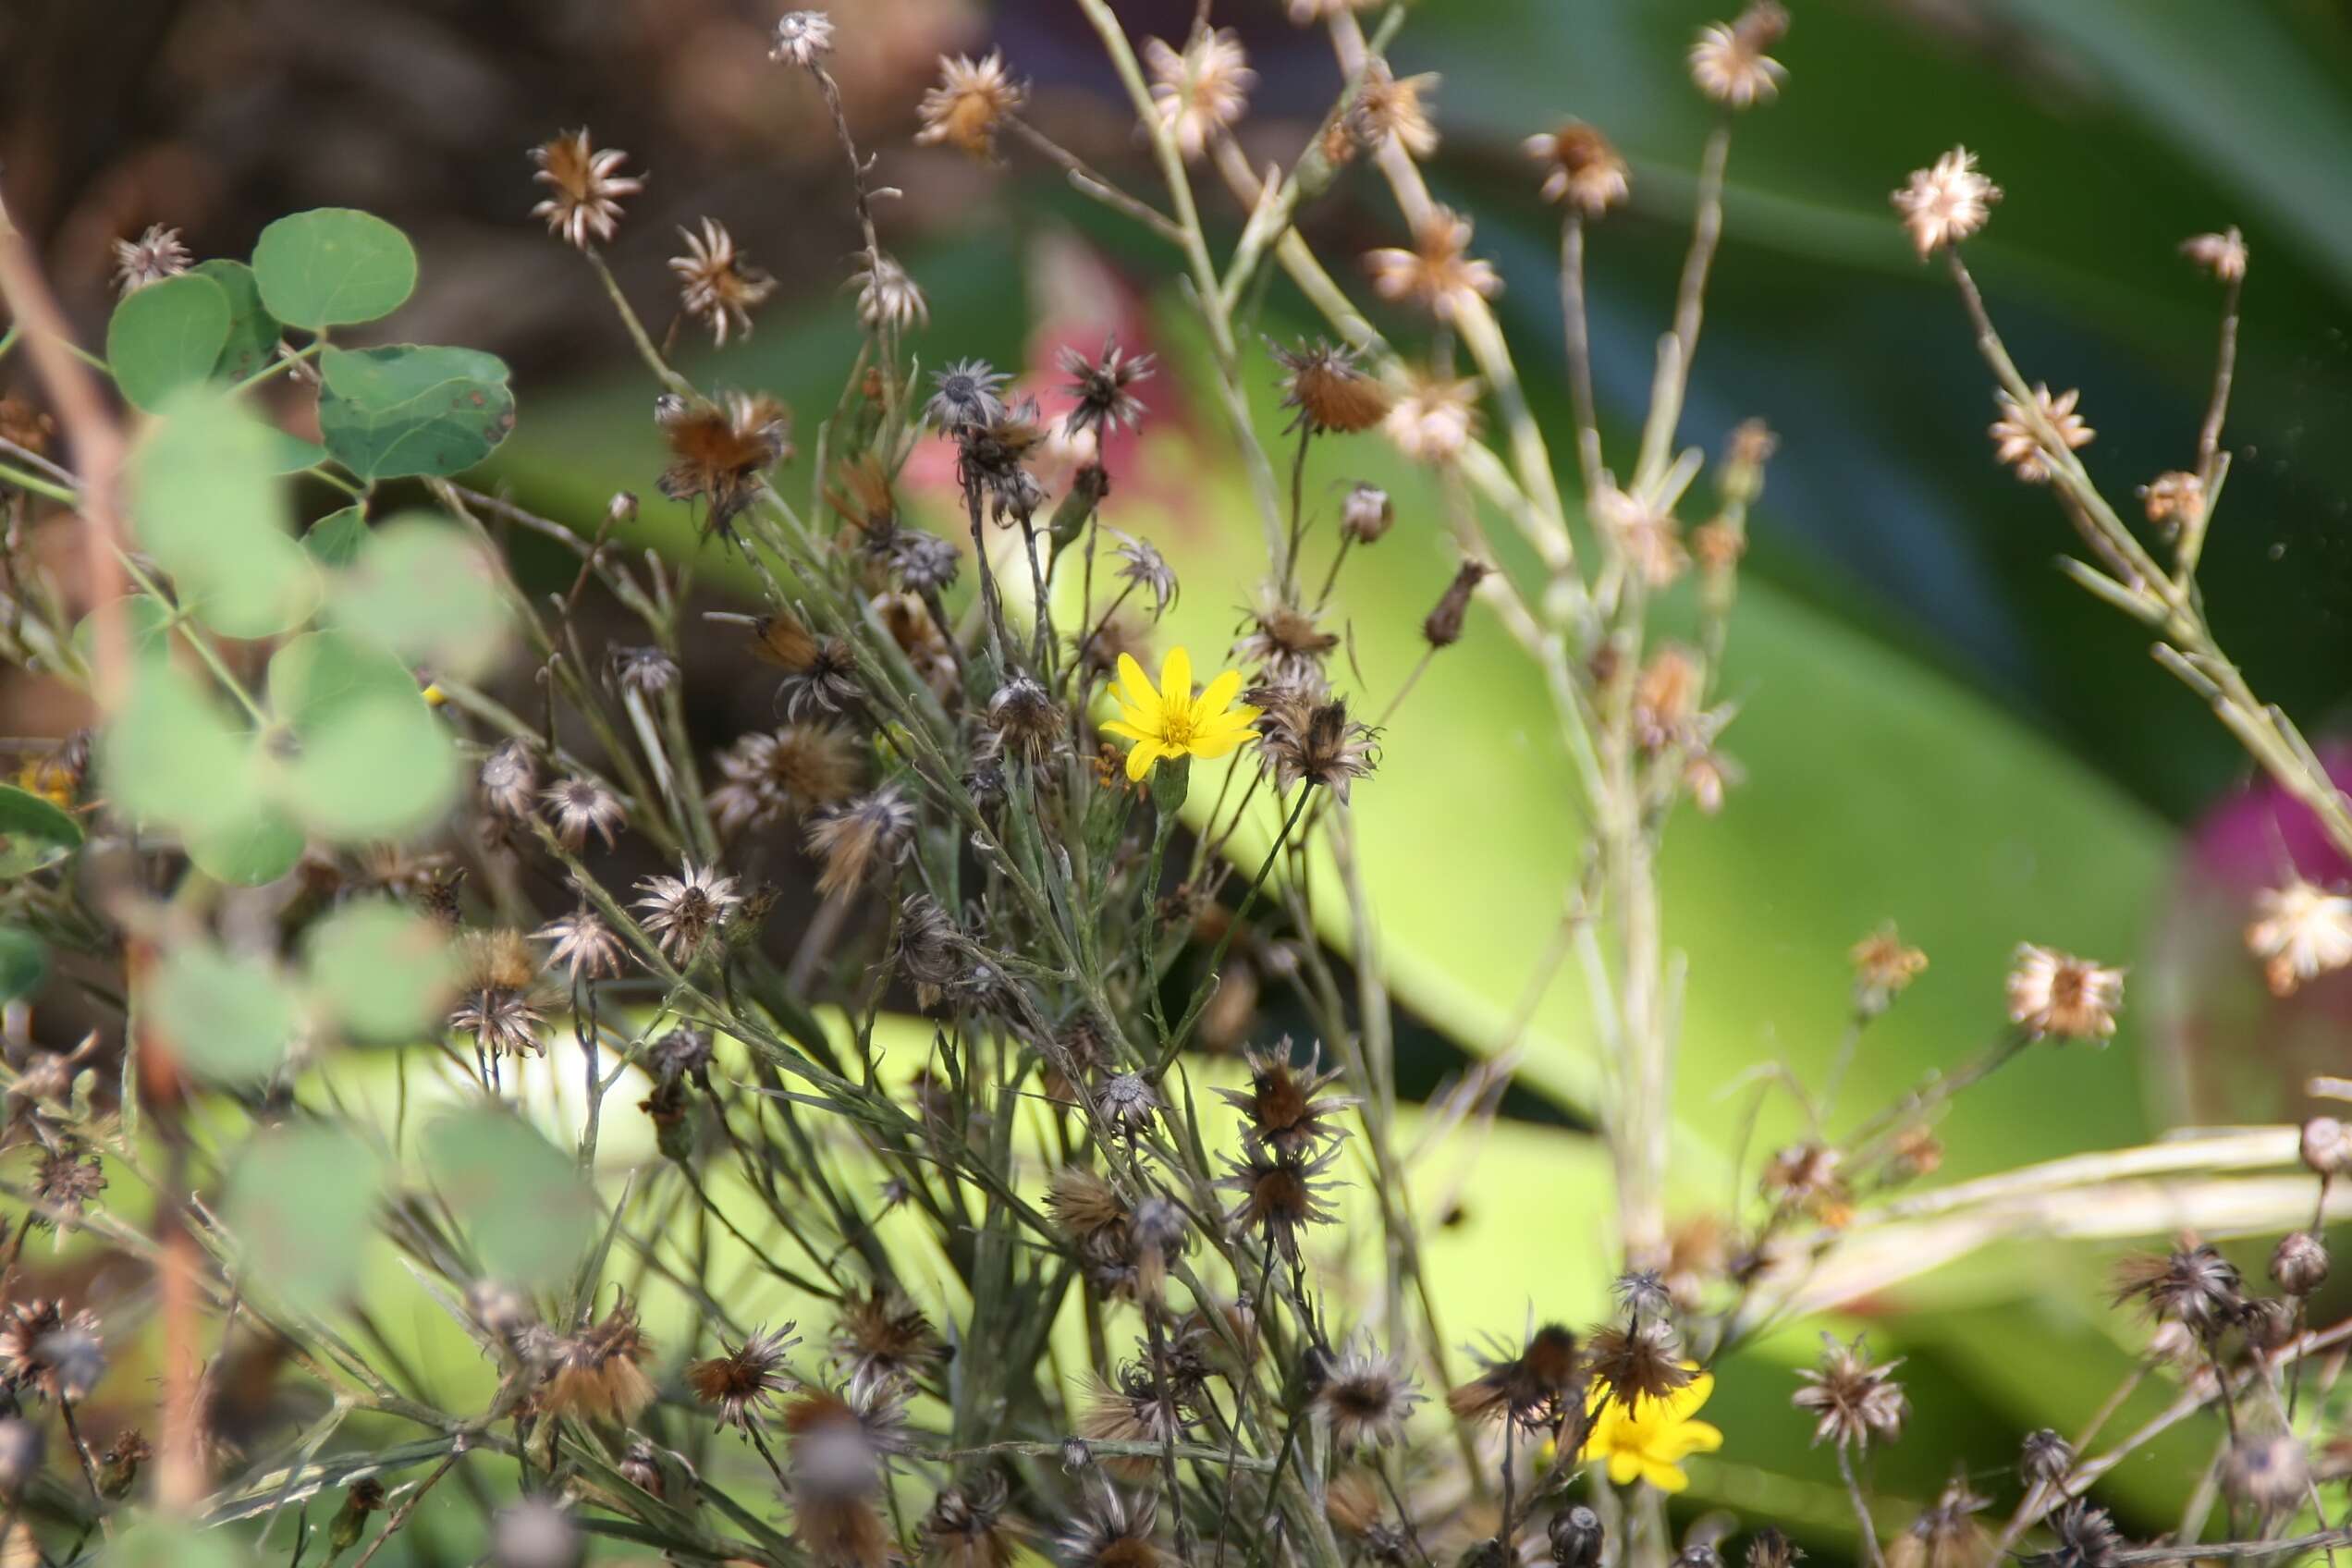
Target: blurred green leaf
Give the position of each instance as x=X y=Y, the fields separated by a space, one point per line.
x=229 y=1014
x=381 y=969
x=24 y=963
x=334 y=539
x=166 y=337
x=318 y=675
x=260 y=849
x=300 y=1201
x=521 y=1198
x=34 y=834
x=155 y=1543
x=387 y=413
x=380 y=767
x=146 y=625
x=426 y=591
x=174 y=757
x=252 y=331
x=332 y=267
x=291 y=454
x=206 y=500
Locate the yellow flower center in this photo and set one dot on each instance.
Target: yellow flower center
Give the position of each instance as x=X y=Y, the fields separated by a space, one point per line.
x=1176 y=724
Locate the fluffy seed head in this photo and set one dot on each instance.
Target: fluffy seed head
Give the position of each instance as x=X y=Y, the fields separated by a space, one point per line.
x=1945 y=203
x=584 y=188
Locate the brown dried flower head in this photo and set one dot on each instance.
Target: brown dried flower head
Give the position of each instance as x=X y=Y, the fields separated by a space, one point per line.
x=2174 y=500
x=1315 y=742
x=1438 y=273
x=1944 y=204
x=1285 y=1109
x=1729 y=63
x=1639 y=1360
x=1581 y=168
x=1330 y=392
x=717 y=285
x=585 y=188
x=598 y=1372
x=2222 y=255
x=881 y=1333
x=720 y=453
x=972 y=99
x=2300 y=932
x=968 y=1527
x=2017 y=435
x=1532 y=1388
x=155 y=255
x=1200 y=89
x=2055 y=993
x=744 y=1382
x=1850 y=1400
x=2192 y=1285
x=1363 y=1398
x=1391 y=107
x=1883 y=968
x=1280 y=1196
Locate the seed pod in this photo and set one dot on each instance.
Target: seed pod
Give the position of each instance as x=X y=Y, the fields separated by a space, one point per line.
x=2300 y=1265
x=1577 y=1535
x=1443 y=628
x=2327 y=1146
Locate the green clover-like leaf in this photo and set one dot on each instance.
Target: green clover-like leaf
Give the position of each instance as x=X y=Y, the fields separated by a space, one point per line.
x=332 y=267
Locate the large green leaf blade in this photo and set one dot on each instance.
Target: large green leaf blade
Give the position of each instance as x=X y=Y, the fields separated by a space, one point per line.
x=390 y=414
x=167 y=335
x=334 y=267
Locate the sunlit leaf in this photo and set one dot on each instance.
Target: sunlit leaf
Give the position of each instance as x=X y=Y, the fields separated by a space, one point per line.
x=228 y=1015
x=521 y=1198
x=334 y=539
x=381 y=969
x=299 y=1199
x=166 y=337
x=380 y=767
x=206 y=500
x=333 y=267
x=260 y=849
x=175 y=759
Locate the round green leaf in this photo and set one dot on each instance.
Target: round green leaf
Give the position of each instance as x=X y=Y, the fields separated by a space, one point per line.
x=387 y=413
x=146 y=625
x=522 y=1200
x=320 y=674
x=380 y=970
x=174 y=757
x=166 y=337
x=378 y=768
x=206 y=501
x=252 y=331
x=332 y=267
x=298 y=1204
x=229 y=1014
x=24 y=963
x=291 y=454
x=334 y=539
x=272 y=588
x=426 y=591
x=34 y=834
x=261 y=849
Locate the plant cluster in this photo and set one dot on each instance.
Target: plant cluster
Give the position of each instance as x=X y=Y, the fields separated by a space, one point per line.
x=969 y=1225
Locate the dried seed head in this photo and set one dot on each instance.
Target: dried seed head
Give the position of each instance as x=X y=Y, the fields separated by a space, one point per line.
x=720 y=453
x=508 y=775
x=1770 y=1549
x=599 y=1372
x=1434 y=419
x=1532 y=1388
x=882 y=1334
x=1642 y=1292
x=2270 y=1472
x=2174 y=500
x=1101 y=389
x=2301 y=933
x=1027 y=721
x=1946 y=1535
x=972 y=99
x=1850 y=1400
x=2055 y=993
x=683 y=912
x=965 y=395
x=1390 y=107
x=2016 y=435
x=2326 y=1147
x=500 y=1004
x=1115 y=1533
x=1637 y=1361
x=2084 y=1536
x=1650 y=538
x=774 y=776
x=1444 y=626
x=1367 y=514
x=1883 y=967
x=155 y=255
x=1578 y=1537
x=854 y=840
x=2192 y=1285
x=932 y=950
x=1200 y=89
x=580 y=806
x=1285 y=644
x=889 y=296
x=968 y=1527
x=66 y=1179
x=582 y=945
x=584 y=188
x=646 y=672
x=1729 y=64
x=1280 y=1196
x=744 y=1382
x=1135 y=1408
x=2222 y=255
x=1316 y=743
x=1363 y=1398
x=2299 y=1263
x=1946 y=203
x=1581 y=169
x=2044 y=1458
x=717 y=285
x=1439 y=273
x=1285 y=1109
x=803 y=38
x=1128 y=1103
x=1330 y=392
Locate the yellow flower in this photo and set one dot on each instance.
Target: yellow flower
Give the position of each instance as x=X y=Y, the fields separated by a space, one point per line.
x=1171 y=722
x=1650 y=1441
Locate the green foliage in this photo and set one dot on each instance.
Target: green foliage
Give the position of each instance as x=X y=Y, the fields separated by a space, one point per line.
x=146 y=624
x=334 y=539
x=380 y=970
x=253 y=333
x=173 y=759
x=204 y=499
x=521 y=1199
x=299 y=1202
x=423 y=589
x=229 y=1015
x=390 y=414
x=167 y=336
x=333 y=267
x=34 y=834
x=157 y=1543
x=368 y=760
x=24 y=963
x=251 y=852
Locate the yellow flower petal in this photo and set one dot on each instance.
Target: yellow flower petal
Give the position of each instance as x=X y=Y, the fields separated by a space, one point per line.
x=1625 y=1467
x=1220 y=692
x=1212 y=746
x=1665 y=1477
x=1140 y=760
x=1126 y=732
x=1690 y=1395
x=1231 y=721
x=1176 y=679
x=1135 y=687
